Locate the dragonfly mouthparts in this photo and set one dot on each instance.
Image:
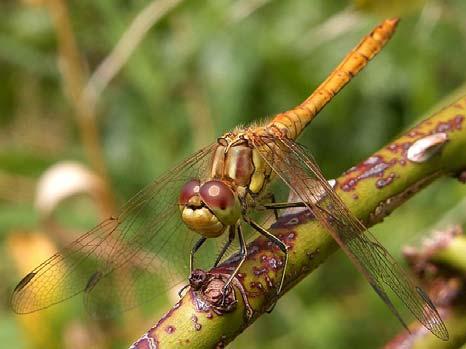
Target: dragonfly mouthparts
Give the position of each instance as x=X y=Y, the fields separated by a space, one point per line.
x=195 y=202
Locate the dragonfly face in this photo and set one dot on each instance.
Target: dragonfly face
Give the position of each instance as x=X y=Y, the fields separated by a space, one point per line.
x=209 y=207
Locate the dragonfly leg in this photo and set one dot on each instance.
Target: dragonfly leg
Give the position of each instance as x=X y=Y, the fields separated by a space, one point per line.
x=225 y=247
x=275 y=240
x=195 y=248
x=271 y=197
x=284 y=205
x=281 y=205
x=180 y=292
x=243 y=253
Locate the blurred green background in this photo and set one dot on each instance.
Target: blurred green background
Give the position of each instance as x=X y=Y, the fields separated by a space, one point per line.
x=202 y=69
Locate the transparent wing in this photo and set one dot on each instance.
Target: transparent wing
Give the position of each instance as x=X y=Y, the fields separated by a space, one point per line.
x=296 y=167
x=127 y=260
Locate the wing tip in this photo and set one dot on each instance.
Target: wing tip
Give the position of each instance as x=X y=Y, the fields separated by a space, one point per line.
x=440 y=331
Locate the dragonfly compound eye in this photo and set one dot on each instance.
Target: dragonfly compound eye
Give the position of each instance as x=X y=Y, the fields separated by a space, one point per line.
x=221 y=200
x=190 y=189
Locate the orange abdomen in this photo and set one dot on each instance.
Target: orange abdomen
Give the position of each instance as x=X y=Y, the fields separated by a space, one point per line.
x=295 y=120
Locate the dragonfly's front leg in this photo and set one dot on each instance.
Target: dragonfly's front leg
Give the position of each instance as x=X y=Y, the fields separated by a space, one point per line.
x=243 y=254
x=195 y=248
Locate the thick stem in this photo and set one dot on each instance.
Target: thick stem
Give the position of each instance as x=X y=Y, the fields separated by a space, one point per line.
x=372 y=190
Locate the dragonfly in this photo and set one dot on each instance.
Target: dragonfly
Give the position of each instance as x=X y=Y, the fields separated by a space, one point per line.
x=212 y=195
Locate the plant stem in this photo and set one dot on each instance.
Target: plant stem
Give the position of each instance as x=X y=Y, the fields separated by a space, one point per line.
x=74 y=77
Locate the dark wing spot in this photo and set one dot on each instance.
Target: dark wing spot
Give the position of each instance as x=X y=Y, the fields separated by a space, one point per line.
x=24 y=281
x=93 y=280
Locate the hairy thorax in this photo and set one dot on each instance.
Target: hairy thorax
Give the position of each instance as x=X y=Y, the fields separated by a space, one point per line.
x=237 y=161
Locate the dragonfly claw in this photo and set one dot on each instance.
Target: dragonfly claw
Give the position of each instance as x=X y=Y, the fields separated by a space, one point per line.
x=180 y=292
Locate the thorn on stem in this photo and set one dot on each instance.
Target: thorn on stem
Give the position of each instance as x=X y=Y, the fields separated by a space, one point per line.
x=426 y=147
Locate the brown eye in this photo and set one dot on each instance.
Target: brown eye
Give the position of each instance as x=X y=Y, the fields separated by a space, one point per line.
x=190 y=189
x=217 y=195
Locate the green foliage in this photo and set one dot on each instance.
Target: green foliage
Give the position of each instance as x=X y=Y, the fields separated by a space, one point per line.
x=200 y=71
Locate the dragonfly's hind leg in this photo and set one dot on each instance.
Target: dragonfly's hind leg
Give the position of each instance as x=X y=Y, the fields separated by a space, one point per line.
x=285 y=205
x=231 y=237
x=280 y=244
x=281 y=205
x=270 y=197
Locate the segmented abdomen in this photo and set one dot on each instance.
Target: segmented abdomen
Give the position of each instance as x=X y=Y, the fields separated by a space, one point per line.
x=295 y=120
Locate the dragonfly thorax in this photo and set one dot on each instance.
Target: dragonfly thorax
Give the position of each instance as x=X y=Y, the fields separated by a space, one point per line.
x=236 y=160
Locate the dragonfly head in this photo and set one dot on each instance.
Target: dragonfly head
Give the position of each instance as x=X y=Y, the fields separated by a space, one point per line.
x=209 y=208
